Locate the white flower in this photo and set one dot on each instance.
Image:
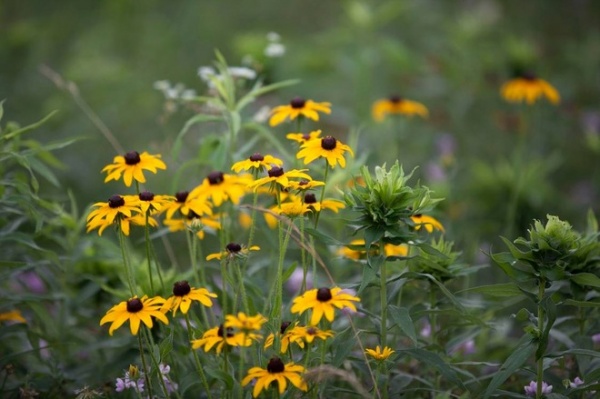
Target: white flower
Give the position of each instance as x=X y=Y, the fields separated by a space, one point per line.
x=531 y=389
x=206 y=73
x=275 y=50
x=162 y=85
x=262 y=114
x=273 y=37
x=188 y=94
x=242 y=72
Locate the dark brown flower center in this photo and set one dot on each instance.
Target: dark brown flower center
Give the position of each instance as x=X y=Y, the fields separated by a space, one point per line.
x=303 y=182
x=215 y=178
x=181 y=196
x=192 y=215
x=116 y=201
x=134 y=305
x=306 y=136
x=256 y=157
x=298 y=103
x=310 y=198
x=132 y=158
x=395 y=99
x=220 y=331
x=146 y=196
x=324 y=295
x=275 y=365
x=418 y=215
x=311 y=331
x=233 y=247
x=528 y=75
x=328 y=143
x=284 y=326
x=181 y=288
x=275 y=171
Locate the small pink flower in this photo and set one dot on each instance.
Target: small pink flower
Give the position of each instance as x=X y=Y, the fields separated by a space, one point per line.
x=531 y=389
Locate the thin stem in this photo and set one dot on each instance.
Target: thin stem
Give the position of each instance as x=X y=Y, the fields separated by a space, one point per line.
x=150 y=342
x=383 y=298
x=243 y=294
x=432 y=316
x=276 y=310
x=196 y=359
x=540 y=316
x=144 y=366
x=148 y=257
x=128 y=272
x=322 y=194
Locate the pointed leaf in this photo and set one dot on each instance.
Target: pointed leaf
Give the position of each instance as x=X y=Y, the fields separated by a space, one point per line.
x=401 y=317
x=586 y=279
x=434 y=360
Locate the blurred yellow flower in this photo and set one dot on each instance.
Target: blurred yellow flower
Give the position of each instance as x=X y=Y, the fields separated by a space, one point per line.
x=302 y=138
x=257 y=162
x=529 y=88
x=397 y=105
x=221 y=336
x=116 y=209
x=428 y=222
x=220 y=187
x=184 y=295
x=13 y=315
x=323 y=302
x=233 y=250
x=278 y=176
x=298 y=107
x=380 y=354
x=245 y=323
x=278 y=373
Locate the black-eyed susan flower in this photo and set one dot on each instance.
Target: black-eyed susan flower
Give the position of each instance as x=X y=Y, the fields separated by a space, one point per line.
x=233 y=250
x=303 y=185
x=194 y=223
x=135 y=310
x=278 y=373
x=380 y=354
x=357 y=254
x=284 y=330
x=116 y=209
x=184 y=295
x=219 y=187
x=293 y=208
x=220 y=336
x=328 y=147
x=298 y=107
x=529 y=88
x=149 y=202
x=245 y=323
x=257 y=162
x=302 y=138
x=397 y=105
x=277 y=176
x=13 y=315
x=137 y=220
x=131 y=166
x=323 y=302
x=309 y=334
x=333 y=205
x=428 y=222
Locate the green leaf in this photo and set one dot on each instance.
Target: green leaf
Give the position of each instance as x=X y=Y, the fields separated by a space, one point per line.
x=516 y=359
x=550 y=308
x=495 y=290
x=434 y=360
x=178 y=143
x=586 y=279
x=166 y=346
x=342 y=347
x=2 y=109
x=582 y=304
x=323 y=238
x=220 y=375
x=25 y=129
x=368 y=277
x=401 y=317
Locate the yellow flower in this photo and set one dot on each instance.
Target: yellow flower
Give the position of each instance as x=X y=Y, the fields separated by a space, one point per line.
x=527 y=87
x=153 y=203
x=298 y=107
x=220 y=187
x=258 y=162
x=221 y=336
x=285 y=337
x=292 y=209
x=131 y=166
x=13 y=315
x=184 y=295
x=138 y=220
x=308 y=334
x=303 y=185
x=276 y=372
x=233 y=250
x=356 y=254
x=328 y=148
x=428 y=222
x=277 y=176
x=193 y=223
x=135 y=310
x=379 y=354
x=322 y=302
x=245 y=323
x=397 y=105
x=303 y=137
x=334 y=205
x=117 y=208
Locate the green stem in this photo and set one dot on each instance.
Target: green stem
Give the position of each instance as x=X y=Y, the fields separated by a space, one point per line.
x=242 y=288
x=276 y=310
x=303 y=256
x=322 y=194
x=148 y=257
x=196 y=359
x=540 y=316
x=150 y=342
x=383 y=298
x=144 y=366
x=432 y=317
x=128 y=271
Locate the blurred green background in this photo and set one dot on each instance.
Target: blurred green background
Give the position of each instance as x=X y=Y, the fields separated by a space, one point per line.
x=452 y=56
